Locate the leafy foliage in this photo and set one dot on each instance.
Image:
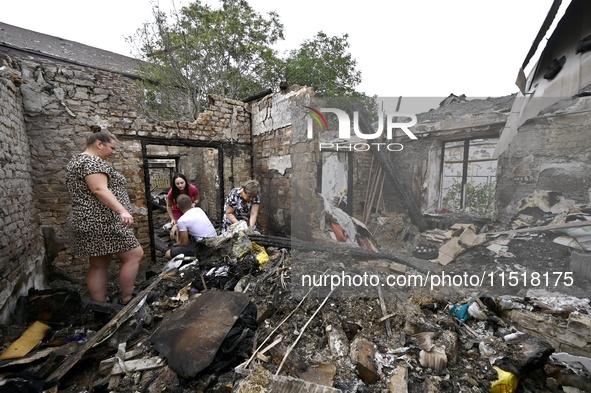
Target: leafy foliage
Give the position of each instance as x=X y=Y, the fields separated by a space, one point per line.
x=479 y=198
x=324 y=64
x=200 y=50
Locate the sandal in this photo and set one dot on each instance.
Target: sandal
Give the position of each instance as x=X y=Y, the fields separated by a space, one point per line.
x=120 y=300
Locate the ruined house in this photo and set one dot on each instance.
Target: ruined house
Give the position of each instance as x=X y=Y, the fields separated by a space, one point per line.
x=53 y=89
x=513 y=152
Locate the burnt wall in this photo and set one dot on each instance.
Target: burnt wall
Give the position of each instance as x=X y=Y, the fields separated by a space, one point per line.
x=50 y=114
x=549 y=155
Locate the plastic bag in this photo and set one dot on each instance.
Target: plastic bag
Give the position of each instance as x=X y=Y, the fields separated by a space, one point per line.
x=260 y=254
x=506 y=383
x=461 y=312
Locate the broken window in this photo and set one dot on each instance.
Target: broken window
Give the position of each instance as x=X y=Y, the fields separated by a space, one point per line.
x=468 y=176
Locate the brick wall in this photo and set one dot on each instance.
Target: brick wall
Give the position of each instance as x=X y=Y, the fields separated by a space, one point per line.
x=285 y=164
x=46 y=121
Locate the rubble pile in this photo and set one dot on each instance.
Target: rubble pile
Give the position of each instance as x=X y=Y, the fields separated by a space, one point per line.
x=236 y=319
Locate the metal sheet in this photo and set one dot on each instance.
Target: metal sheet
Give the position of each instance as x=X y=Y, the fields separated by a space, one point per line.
x=190 y=337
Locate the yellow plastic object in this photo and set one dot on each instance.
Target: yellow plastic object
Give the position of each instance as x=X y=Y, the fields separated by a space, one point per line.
x=260 y=253
x=29 y=340
x=506 y=383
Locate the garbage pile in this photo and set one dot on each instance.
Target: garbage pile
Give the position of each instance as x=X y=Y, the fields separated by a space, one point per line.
x=236 y=319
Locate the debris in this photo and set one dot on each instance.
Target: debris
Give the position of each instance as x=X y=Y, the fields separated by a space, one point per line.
x=191 y=336
x=303 y=329
x=428 y=345
x=131 y=308
x=384 y=312
x=573 y=361
x=506 y=383
x=262 y=381
x=449 y=251
x=274 y=330
x=545 y=228
x=425 y=251
x=568 y=378
x=29 y=340
x=399 y=380
x=463 y=236
x=362 y=356
x=435 y=358
x=461 y=311
x=572 y=337
x=345 y=228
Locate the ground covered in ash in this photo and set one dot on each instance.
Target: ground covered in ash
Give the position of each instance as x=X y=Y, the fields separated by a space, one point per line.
x=346 y=337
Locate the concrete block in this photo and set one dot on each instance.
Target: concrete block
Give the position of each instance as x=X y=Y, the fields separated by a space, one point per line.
x=580 y=324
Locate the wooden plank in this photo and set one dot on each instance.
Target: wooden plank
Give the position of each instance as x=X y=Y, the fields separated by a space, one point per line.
x=384 y=160
x=384 y=312
x=545 y=228
x=107 y=364
x=31 y=358
x=131 y=366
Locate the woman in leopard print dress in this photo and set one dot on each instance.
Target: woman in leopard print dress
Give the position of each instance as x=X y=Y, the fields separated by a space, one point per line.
x=100 y=219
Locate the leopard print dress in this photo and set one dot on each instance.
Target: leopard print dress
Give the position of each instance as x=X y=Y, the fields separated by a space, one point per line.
x=95 y=229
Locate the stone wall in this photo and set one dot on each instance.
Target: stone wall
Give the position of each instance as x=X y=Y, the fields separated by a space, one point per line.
x=21 y=242
x=50 y=117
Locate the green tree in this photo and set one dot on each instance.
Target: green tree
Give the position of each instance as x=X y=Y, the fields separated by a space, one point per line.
x=200 y=50
x=325 y=64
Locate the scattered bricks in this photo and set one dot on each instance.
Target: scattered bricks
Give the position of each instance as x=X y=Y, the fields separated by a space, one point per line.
x=572 y=337
x=362 y=356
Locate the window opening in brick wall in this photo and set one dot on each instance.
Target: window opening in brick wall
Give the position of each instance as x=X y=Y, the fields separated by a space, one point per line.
x=468 y=176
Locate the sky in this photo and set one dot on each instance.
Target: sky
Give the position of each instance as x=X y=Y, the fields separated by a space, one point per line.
x=408 y=48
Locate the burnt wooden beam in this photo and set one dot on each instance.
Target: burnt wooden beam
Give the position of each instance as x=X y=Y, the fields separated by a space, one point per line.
x=354 y=252
x=258 y=95
x=383 y=157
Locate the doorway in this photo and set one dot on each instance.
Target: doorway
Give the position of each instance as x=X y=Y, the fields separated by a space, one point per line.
x=202 y=166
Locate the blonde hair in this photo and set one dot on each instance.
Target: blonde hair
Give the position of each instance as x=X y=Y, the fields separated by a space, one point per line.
x=252 y=187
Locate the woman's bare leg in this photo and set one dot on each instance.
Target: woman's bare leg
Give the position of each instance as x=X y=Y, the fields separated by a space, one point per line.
x=128 y=272
x=96 y=279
